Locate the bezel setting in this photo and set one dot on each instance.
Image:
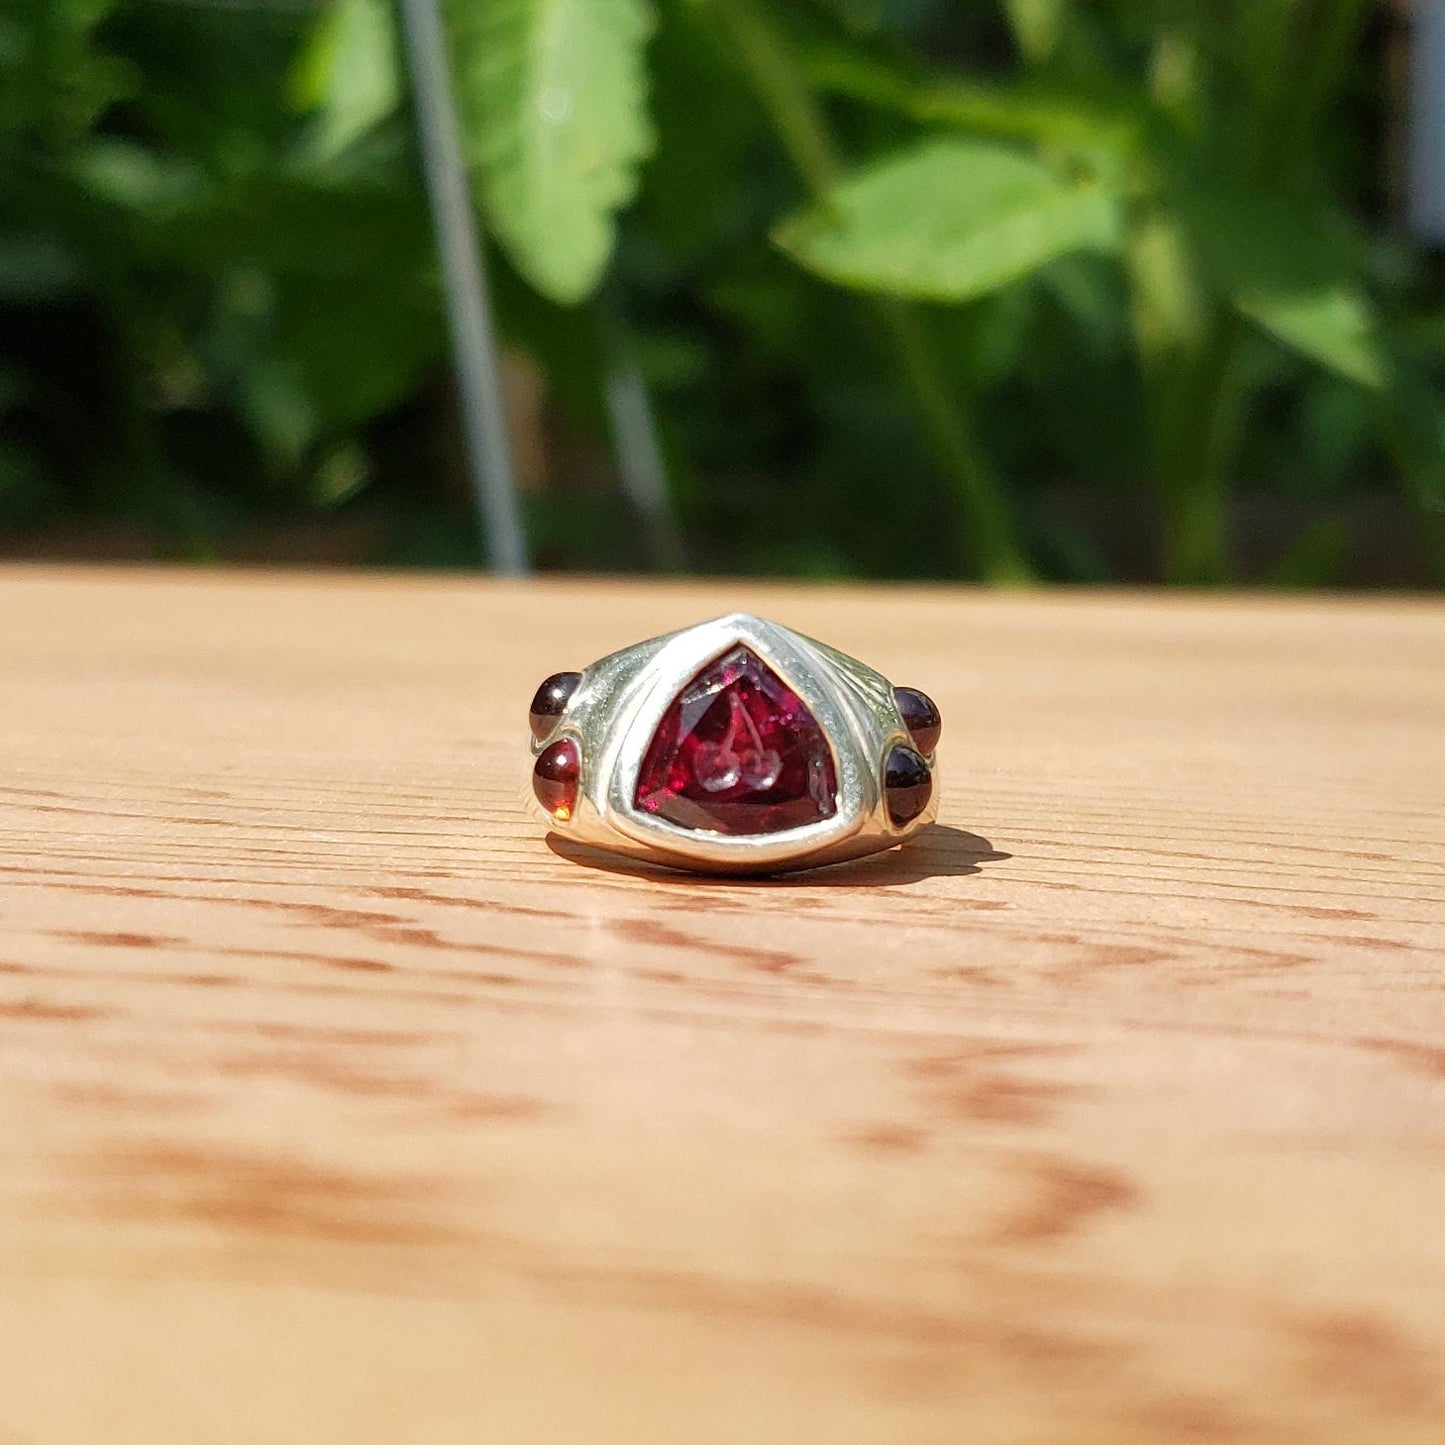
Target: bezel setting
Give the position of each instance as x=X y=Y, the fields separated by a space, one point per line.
x=616 y=709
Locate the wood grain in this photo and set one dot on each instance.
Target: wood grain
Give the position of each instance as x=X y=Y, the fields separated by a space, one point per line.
x=335 y=1105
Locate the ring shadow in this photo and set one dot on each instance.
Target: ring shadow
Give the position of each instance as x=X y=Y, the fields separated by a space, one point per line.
x=939 y=851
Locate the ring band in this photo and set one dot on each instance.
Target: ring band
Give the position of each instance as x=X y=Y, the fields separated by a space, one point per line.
x=736 y=746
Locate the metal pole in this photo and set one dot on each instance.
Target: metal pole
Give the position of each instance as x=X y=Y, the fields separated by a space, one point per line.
x=1427 y=120
x=479 y=379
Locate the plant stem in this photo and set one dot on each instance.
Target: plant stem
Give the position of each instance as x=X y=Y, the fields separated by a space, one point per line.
x=634 y=430
x=785 y=95
x=1201 y=396
x=1336 y=33
x=1186 y=344
x=1194 y=456
x=166 y=499
x=953 y=437
x=803 y=134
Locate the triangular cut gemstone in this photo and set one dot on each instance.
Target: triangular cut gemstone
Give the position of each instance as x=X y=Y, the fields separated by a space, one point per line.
x=737 y=752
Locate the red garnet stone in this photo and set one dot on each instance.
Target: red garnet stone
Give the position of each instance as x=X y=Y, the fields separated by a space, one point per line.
x=551 y=701
x=556 y=776
x=907 y=785
x=738 y=753
x=920 y=716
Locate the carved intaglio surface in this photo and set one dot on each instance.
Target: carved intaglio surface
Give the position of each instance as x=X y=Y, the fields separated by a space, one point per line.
x=738 y=752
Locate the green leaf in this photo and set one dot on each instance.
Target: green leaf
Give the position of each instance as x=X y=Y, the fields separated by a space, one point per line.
x=1332 y=325
x=552 y=94
x=1037 y=26
x=1410 y=420
x=949 y=220
x=357 y=345
x=1290 y=271
x=347 y=73
x=135 y=178
x=1106 y=132
x=35 y=268
x=690 y=189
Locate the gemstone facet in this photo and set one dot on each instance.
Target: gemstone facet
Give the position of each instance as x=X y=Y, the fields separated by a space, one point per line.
x=738 y=752
x=907 y=785
x=551 y=701
x=920 y=716
x=555 y=777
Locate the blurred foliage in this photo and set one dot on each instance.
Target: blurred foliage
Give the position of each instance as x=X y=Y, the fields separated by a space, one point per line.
x=1039 y=288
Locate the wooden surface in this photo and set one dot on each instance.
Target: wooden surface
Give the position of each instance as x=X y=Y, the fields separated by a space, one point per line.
x=335 y=1106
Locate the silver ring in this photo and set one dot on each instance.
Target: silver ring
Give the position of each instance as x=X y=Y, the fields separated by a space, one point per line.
x=736 y=746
